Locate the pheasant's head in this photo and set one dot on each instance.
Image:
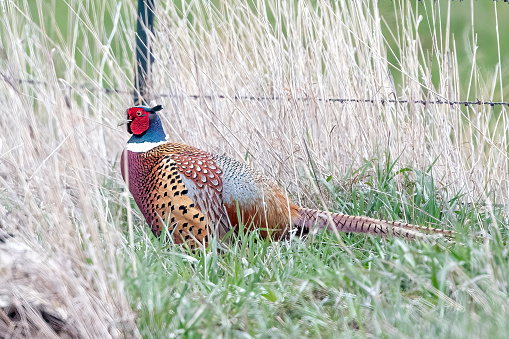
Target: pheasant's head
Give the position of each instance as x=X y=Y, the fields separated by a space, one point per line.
x=146 y=128
x=140 y=118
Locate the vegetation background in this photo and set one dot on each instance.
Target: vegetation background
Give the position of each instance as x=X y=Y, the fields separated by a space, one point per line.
x=440 y=165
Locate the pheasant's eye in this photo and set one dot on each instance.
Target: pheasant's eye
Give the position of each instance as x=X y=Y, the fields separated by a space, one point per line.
x=138 y=114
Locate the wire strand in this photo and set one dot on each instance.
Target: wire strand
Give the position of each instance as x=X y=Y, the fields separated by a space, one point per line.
x=271 y=98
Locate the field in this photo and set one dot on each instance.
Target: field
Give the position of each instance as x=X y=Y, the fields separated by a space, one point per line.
x=252 y=79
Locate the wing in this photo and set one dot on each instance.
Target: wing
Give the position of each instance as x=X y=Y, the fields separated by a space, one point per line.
x=169 y=204
x=202 y=177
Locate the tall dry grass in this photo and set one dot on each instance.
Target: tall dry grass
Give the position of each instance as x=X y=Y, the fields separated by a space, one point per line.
x=59 y=146
x=57 y=152
x=326 y=51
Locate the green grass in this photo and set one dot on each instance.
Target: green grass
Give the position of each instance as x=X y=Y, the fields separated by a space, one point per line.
x=315 y=287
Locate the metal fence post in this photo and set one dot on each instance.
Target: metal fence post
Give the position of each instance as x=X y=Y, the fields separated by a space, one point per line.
x=145 y=21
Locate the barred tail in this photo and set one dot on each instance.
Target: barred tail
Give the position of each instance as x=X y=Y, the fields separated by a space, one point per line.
x=310 y=219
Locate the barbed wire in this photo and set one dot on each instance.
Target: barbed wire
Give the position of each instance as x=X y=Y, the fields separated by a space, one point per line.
x=439 y=101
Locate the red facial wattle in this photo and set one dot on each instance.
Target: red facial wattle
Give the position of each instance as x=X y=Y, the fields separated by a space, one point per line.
x=139 y=120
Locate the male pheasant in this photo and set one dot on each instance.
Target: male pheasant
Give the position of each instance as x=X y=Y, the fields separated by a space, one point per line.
x=196 y=194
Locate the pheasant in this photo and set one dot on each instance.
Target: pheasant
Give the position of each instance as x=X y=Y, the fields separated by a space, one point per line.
x=196 y=194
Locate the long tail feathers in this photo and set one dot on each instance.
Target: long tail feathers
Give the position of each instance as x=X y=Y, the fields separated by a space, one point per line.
x=310 y=219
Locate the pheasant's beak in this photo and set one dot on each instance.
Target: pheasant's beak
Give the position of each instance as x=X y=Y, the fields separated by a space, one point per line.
x=123 y=122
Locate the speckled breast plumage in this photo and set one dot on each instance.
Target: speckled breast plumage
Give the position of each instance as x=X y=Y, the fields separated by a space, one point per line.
x=140 y=178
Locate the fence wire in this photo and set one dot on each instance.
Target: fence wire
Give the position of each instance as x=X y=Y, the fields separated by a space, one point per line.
x=438 y=101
